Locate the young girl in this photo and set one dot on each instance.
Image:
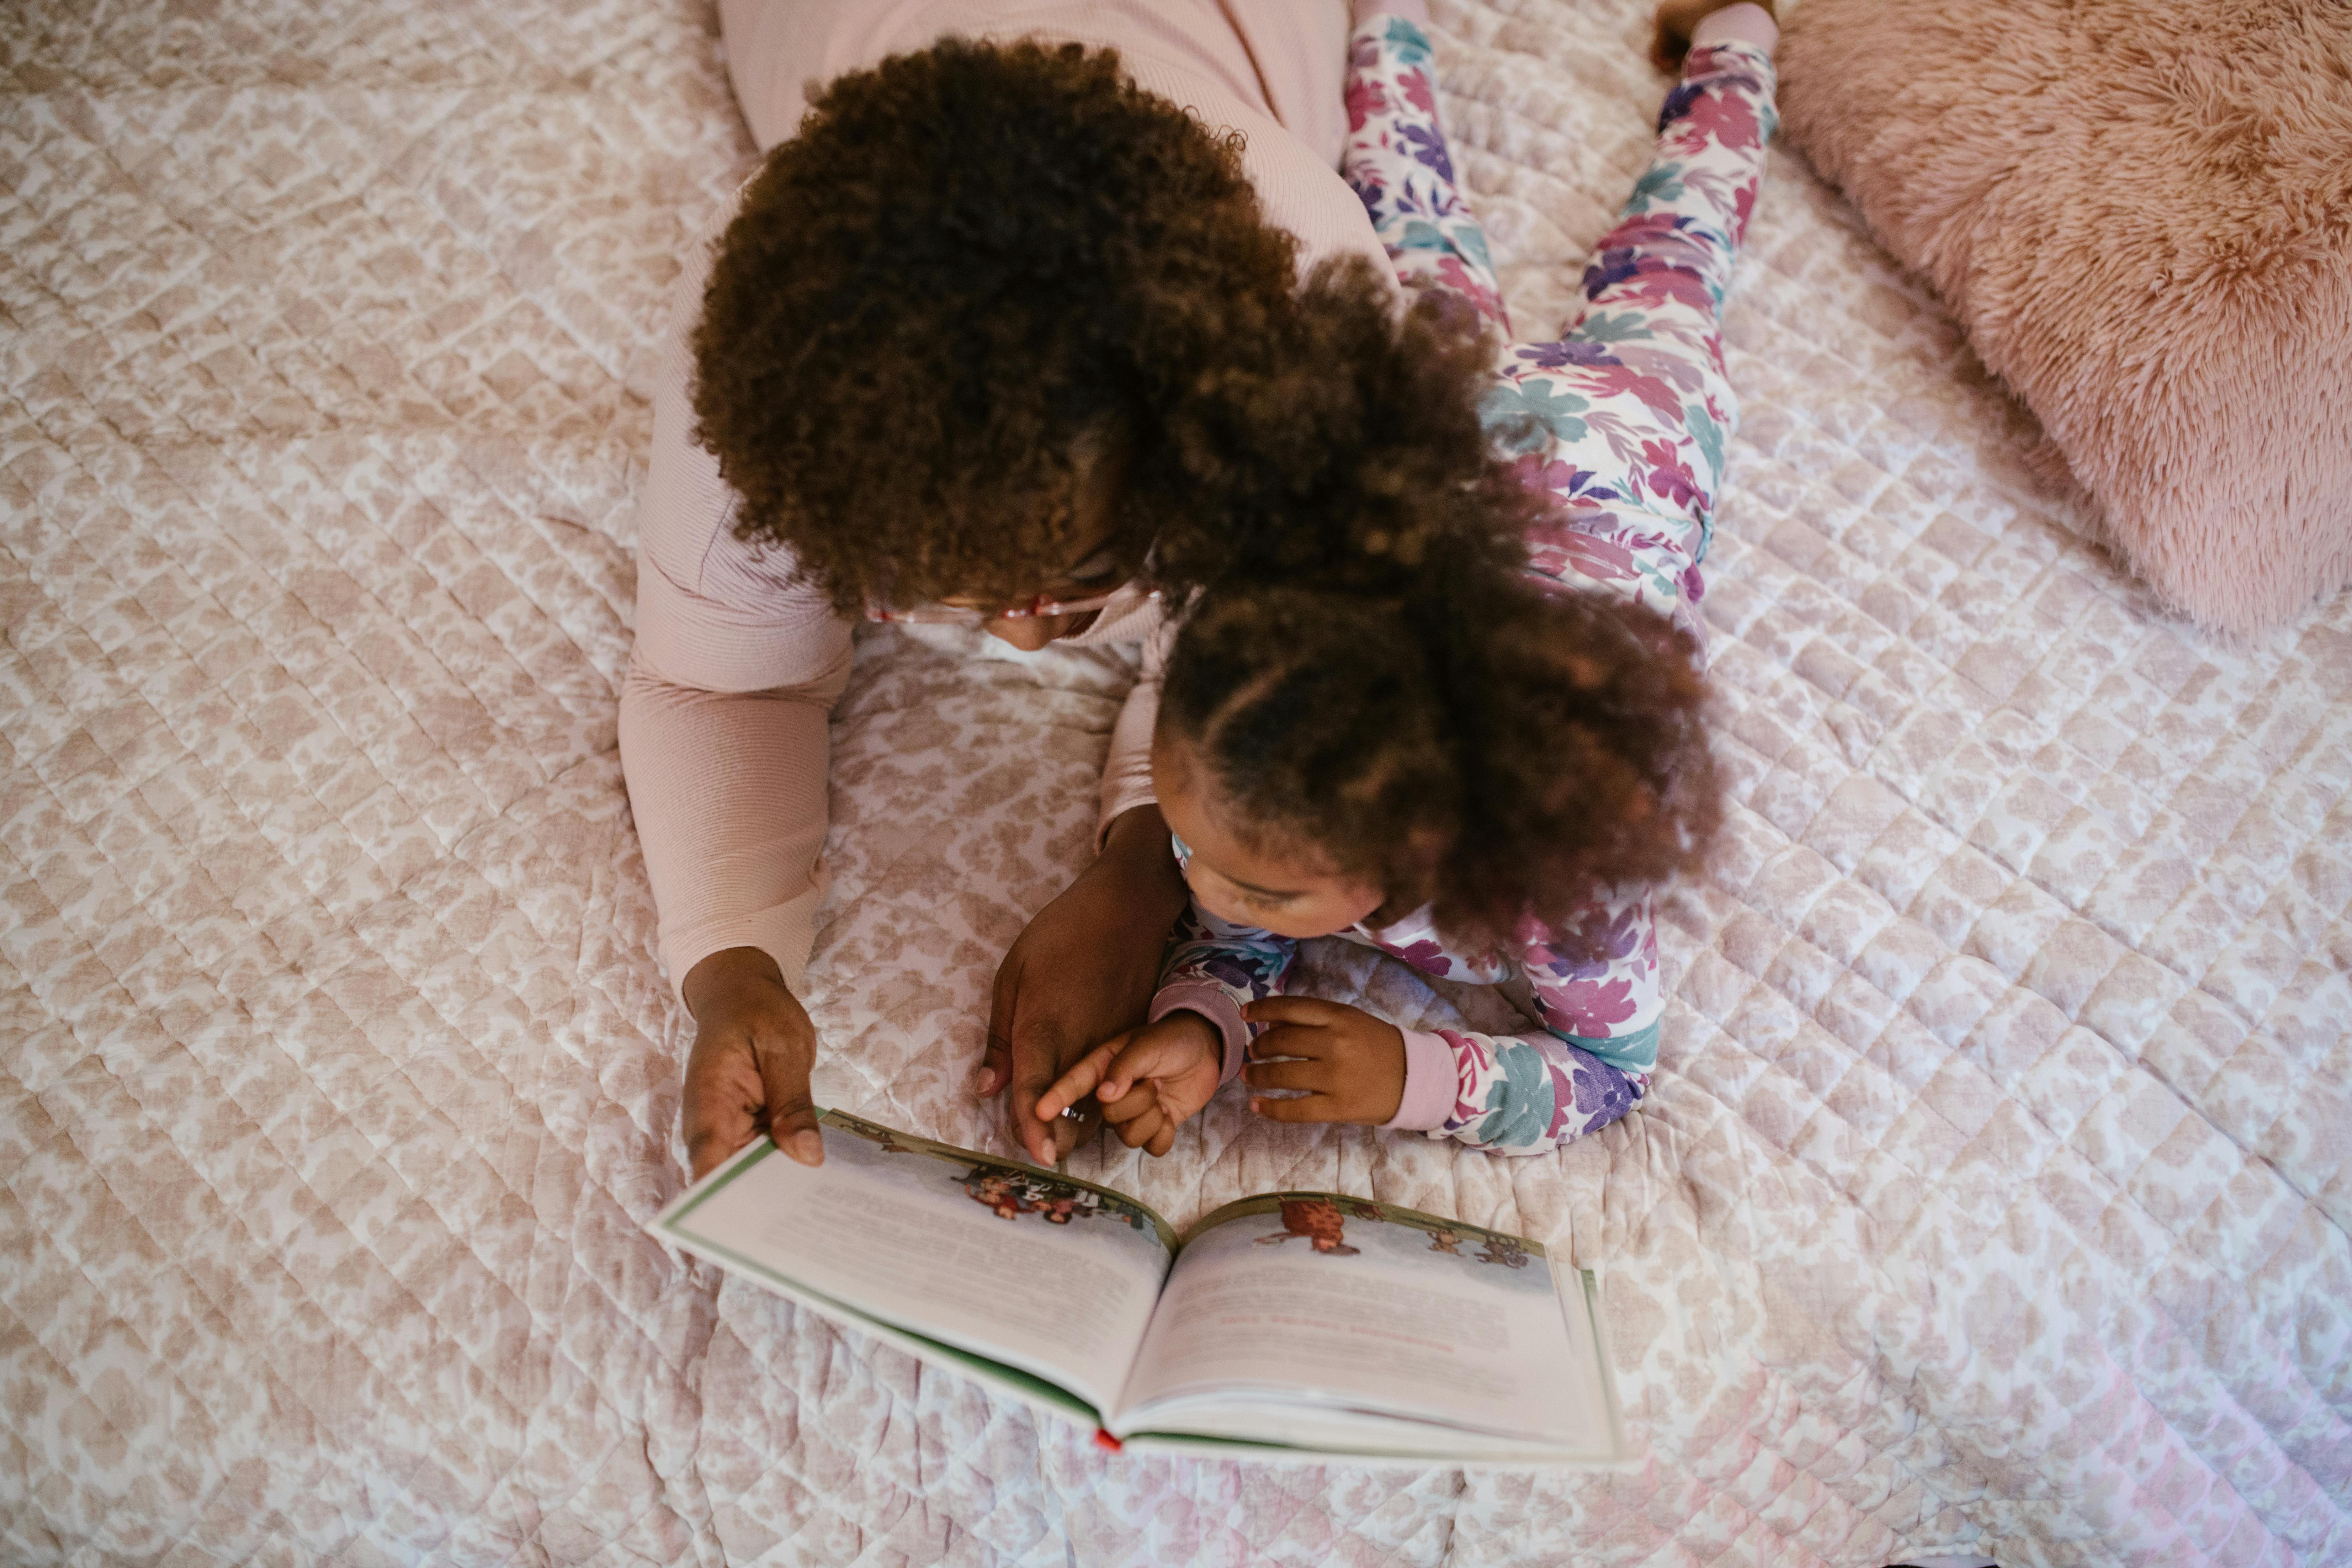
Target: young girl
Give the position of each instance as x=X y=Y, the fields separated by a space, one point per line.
x=1474 y=768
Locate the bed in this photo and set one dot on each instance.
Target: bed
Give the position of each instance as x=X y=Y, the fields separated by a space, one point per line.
x=1992 y=1200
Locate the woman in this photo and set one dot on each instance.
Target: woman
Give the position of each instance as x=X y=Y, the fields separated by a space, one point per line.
x=984 y=330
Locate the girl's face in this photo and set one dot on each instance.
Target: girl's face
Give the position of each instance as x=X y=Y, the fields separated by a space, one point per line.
x=1292 y=894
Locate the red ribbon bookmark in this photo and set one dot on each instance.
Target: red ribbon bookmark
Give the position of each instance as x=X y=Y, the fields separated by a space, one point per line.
x=1105 y=1442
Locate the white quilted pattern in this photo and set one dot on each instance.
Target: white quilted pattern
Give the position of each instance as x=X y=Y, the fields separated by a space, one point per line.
x=1994 y=1195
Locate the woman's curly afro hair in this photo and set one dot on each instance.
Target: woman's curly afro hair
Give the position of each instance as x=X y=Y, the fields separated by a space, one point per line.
x=969 y=263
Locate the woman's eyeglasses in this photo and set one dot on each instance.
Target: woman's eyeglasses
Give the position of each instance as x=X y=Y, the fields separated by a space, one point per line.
x=972 y=615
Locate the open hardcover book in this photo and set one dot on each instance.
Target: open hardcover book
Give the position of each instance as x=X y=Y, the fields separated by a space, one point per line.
x=1303 y=1323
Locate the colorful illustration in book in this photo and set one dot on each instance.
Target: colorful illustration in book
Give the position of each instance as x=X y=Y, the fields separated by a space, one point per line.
x=1349 y=1225
x=1504 y=1250
x=1319 y=1220
x=994 y=1190
x=1061 y=1201
x=1009 y=1193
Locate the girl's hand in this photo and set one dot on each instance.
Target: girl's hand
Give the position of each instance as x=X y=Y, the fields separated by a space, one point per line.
x=1352 y=1066
x=1149 y=1081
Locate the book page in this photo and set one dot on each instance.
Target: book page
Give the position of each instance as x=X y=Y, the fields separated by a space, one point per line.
x=1348 y=1305
x=1038 y=1271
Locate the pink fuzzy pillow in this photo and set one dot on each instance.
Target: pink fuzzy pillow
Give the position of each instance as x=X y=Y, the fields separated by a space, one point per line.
x=2141 y=211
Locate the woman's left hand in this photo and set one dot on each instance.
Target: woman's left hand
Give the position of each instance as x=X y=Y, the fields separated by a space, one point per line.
x=1351 y=1065
x=1083 y=970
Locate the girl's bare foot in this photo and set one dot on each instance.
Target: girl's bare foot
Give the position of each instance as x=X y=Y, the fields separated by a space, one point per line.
x=1676 y=20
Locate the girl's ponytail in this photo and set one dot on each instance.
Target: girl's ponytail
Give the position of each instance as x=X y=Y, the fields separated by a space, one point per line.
x=1581 y=739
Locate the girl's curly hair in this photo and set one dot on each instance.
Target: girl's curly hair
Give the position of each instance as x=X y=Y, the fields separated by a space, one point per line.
x=971 y=264
x=1344 y=446
x=1463 y=736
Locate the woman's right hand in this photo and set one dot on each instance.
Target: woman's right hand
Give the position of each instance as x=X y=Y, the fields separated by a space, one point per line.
x=1149 y=1081
x=749 y=1071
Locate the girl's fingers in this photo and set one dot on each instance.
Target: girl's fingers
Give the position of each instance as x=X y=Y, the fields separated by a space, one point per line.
x=1291 y=1040
x=1141 y=1056
x=1080 y=1081
x=1287 y=1074
x=1128 y=1106
x=1306 y=1107
x=1312 y=1011
x=1154 y=1121
x=1162 y=1143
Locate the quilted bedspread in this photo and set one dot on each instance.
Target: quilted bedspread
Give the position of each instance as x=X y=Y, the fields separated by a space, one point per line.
x=1994 y=1198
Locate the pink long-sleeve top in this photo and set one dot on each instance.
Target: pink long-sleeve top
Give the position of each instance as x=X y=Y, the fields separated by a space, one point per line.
x=736 y=668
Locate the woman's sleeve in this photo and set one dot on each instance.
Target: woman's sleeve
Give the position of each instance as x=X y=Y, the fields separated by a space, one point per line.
x=727 y=791
x=1597 y=997
x=1127 y=768
x=723 y=715
x=1216 y=968
x=1396 y=162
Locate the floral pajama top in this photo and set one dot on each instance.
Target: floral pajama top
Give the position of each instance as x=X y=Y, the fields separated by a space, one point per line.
x=1624 y=419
